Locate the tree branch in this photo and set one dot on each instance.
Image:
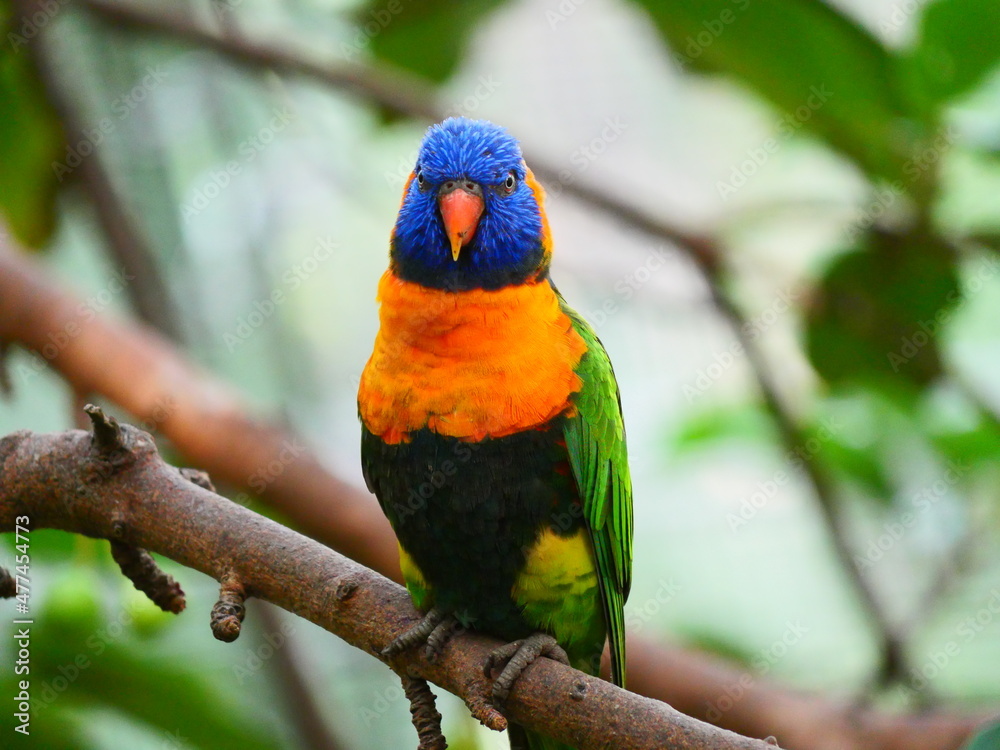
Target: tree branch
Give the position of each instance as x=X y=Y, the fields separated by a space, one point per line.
x=145 y=503
x=128 y=245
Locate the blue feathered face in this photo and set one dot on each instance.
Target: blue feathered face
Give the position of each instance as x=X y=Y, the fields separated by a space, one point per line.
x=469 y=218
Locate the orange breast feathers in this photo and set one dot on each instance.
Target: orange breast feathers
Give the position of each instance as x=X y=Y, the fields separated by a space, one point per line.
x=469 y=365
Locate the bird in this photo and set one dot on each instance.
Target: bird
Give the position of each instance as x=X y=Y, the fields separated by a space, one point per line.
x=492 y=430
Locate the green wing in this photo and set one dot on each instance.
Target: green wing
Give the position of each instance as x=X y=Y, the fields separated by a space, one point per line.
x=595 y=439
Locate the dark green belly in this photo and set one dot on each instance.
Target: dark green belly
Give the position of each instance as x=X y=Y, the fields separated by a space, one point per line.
x=469 y=513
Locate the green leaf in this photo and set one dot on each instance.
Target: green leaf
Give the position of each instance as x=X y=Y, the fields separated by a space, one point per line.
x=164 y=695
x=59 y=729
x=987 y=739
x=877 y=314
x=716 y=644
x=826 y=73
x=427 y=38
x=859 y=464
x=959 y=45
x=991 y=241
x=30 y=142
x=746 y=423
x=976 y=446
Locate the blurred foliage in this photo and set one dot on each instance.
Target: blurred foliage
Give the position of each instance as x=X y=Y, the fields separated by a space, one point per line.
x=30 y=140
x=959 y=46
x=861 y=322
x=791 y=51
x=109 y=660
x=427 y=38
x=987 y=739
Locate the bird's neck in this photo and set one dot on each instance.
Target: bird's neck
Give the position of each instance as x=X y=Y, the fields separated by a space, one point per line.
x=468 y=364
x=467 y=324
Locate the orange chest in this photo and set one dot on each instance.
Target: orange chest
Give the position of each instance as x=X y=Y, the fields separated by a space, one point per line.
x=469 y=365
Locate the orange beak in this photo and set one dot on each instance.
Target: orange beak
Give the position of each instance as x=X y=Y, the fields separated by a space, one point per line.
x=460 y=211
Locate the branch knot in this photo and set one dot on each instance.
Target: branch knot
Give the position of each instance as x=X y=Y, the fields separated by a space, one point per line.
x=229 y=611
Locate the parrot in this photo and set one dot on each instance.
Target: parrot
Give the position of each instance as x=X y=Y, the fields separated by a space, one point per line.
x=492 y=430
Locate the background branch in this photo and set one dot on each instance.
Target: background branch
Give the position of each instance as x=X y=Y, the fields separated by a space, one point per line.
x=125 y=240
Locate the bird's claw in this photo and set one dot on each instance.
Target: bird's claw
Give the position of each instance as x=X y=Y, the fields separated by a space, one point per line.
x=518 y=656
x=439 y=637
x=433 y=630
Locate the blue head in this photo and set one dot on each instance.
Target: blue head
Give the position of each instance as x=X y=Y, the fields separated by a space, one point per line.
x=471 y=216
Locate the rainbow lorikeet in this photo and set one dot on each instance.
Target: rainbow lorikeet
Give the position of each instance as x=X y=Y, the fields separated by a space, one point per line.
x=492 y=431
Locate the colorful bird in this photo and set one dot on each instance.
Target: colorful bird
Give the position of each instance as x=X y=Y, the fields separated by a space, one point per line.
x=492 y=432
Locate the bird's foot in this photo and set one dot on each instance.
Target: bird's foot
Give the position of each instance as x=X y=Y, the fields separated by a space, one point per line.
x=518 y=656
x=433 y=631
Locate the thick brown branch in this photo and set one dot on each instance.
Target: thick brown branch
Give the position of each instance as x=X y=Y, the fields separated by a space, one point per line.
x=152 y=506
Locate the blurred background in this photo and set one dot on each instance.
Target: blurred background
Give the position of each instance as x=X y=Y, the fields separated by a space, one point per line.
x=782 y=218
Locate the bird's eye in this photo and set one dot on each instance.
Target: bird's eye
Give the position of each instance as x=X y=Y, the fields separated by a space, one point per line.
x=510 y=183
x=421 y=180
